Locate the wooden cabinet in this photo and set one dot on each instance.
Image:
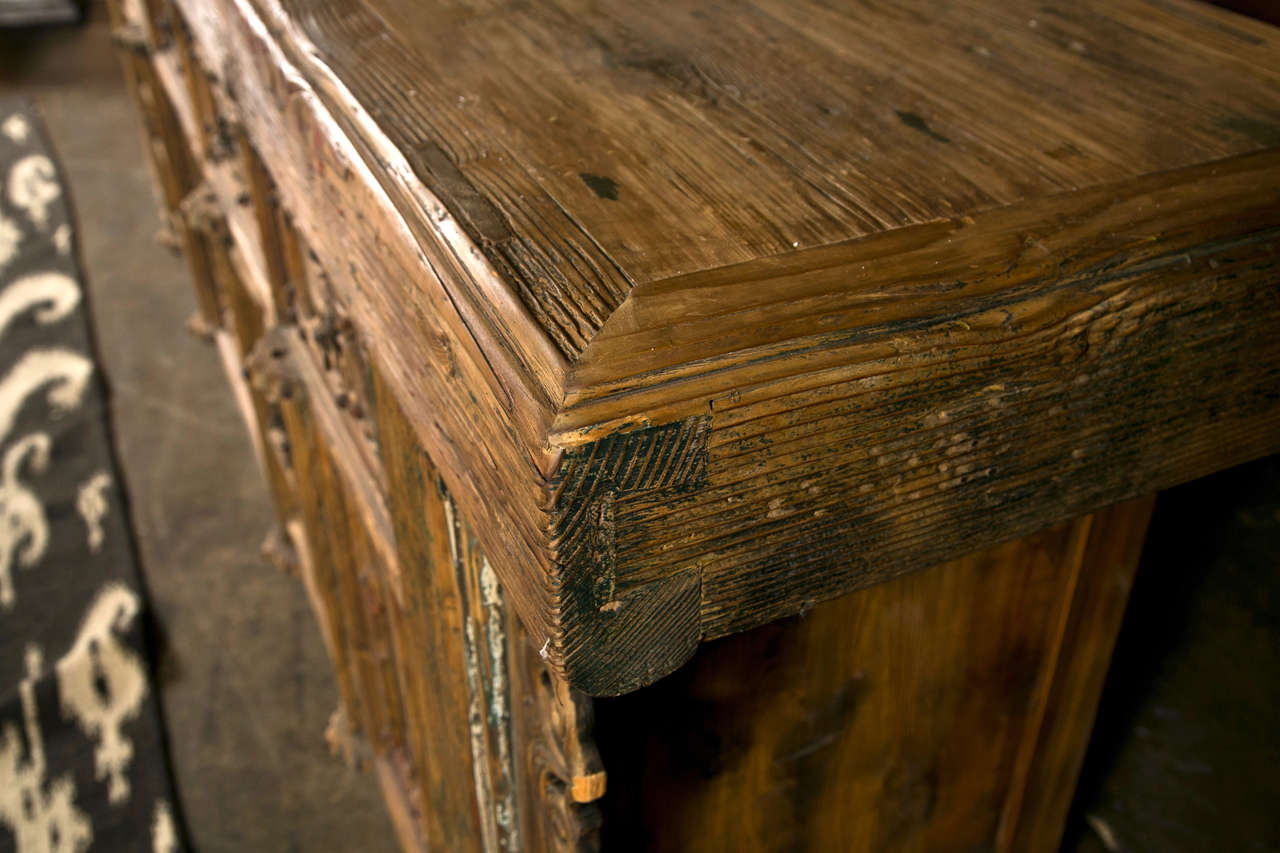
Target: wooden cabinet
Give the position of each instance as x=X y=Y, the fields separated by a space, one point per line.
x=791 y=377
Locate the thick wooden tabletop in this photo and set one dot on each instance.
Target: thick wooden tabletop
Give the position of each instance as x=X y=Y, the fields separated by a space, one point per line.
x=708 y=311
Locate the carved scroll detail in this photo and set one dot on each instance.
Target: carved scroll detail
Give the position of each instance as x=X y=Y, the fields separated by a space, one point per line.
x=562 y=769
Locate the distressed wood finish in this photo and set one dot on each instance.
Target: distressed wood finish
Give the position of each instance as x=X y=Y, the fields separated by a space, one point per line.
x=880 y=405
x=572 y=335
x=702 y=330
x=910 y=716
x=587 y=148
x=1053 y=743
x=477 y=745
x=524 y=731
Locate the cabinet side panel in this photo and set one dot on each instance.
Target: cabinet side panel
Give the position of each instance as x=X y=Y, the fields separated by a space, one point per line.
x=911 y=715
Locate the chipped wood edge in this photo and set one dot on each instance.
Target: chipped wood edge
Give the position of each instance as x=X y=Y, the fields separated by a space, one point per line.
x=464 y=359
x=606 y=394
x=614 y=638
x=519 y=330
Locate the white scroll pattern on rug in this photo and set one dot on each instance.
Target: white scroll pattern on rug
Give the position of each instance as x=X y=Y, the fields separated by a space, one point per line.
x=91 y=503
x=164 y=836
x=42 y=814
x=33 y=186
x=57 y=292
x=100 y=681
x=65 y=373
x=102 y=684
x=24 y=530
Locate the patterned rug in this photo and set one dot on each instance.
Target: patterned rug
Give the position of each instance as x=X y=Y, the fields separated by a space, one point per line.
x=82 y=764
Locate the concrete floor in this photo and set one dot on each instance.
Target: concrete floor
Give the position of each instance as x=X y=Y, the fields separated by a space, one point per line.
x=246 y=686
x=1185 y=754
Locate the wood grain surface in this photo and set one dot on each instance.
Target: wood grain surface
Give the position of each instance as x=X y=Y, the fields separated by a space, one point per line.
x=881 y=405
x=1053 y=744
x=706 y=312
x=477 y=745
x=573 y=335
x=923 y=714
x=590 y=147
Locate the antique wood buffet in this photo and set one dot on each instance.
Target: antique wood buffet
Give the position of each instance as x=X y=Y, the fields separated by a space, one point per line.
x=604 y=349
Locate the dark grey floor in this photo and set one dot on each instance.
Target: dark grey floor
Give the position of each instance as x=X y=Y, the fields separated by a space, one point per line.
x=1185 y=755
x=246 y=687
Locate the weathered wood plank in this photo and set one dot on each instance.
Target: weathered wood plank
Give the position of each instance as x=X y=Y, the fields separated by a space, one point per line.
x=1053 y=746
x=522 y=737
x=478 y=407
x=501 y=747
x=897 y=718
x=932 y=326
x=322 y=580
x=882 y=405
x=589 y=147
